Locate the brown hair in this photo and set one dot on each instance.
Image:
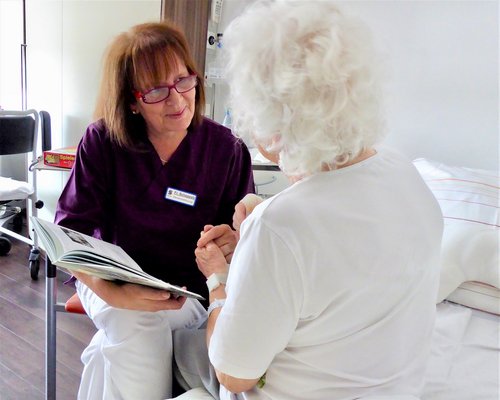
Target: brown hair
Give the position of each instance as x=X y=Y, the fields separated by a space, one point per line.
x=137 y=59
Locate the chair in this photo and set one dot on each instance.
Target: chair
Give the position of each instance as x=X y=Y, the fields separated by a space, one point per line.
x=18 y=135
x=52 y=307
x=74 y=305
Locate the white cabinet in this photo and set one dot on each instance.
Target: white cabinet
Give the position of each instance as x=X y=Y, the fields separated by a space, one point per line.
x=269 y=181
x=268 y=178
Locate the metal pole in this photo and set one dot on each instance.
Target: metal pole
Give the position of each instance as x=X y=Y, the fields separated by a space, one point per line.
x=50 y=330
x=24 y=75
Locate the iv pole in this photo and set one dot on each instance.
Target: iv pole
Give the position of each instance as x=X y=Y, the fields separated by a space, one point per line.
x=23 y=63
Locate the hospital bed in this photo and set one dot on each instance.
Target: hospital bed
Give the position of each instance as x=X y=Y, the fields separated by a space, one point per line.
x=464 y=363
x=465 y=357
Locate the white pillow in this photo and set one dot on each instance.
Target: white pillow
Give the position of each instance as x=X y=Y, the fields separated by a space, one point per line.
x=469 y=201
x=477 y=295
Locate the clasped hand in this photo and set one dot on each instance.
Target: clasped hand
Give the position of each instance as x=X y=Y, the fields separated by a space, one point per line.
x=215 y=249
x=217 y=243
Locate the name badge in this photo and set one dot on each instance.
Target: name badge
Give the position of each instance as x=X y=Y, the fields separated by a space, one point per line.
x=180 y=196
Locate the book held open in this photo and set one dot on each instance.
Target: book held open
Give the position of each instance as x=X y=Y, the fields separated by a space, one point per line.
x=78 y=252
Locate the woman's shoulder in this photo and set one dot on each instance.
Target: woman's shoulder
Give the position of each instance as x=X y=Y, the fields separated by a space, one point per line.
x=97 y=128
x=212 y=135
x=213 y=128
x=96 y=133
x=96 y=139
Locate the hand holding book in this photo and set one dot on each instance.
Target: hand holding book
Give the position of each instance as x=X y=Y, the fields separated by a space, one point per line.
x=131 y=296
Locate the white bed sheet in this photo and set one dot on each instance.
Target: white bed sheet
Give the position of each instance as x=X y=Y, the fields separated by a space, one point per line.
x=465 y=357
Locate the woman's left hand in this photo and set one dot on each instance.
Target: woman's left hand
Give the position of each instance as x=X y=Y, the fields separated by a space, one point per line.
x=223 y=236
x=210 y=259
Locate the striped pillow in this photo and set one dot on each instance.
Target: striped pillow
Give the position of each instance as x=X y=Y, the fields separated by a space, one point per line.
x=469 y=201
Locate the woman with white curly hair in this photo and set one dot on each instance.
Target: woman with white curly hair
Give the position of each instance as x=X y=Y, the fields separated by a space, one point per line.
x=331 y=290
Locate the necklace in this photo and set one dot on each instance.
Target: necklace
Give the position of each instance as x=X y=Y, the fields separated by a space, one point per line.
x=163 y=161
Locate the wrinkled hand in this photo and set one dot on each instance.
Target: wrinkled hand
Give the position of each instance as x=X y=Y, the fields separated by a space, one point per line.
x=244 y=208
x=210 y=259
x=131 y=296
x=223 y=236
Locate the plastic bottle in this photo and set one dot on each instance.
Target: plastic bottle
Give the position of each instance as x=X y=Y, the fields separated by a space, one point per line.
x=228 y=119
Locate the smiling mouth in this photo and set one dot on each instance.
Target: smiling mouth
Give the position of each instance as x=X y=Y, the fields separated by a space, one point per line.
x=177 y=114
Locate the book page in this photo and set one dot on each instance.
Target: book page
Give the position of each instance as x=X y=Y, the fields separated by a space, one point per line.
x=78 y=252
x=67 y=241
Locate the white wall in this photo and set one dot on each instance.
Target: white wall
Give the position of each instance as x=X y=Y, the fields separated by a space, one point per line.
x=443 y=82
x=442 y=91
x=66 y=40
x=11 y=37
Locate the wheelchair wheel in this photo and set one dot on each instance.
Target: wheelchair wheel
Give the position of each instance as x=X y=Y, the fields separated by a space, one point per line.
x=5 y=246
x=34 y=269
x=34 y=263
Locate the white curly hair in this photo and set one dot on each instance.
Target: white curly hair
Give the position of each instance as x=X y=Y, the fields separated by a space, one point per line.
x=304 y=83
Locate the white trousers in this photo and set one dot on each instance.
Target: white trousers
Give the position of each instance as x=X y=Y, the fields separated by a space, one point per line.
x=130 y=356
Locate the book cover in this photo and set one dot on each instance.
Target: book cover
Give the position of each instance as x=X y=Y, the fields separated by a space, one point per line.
x=61 y=158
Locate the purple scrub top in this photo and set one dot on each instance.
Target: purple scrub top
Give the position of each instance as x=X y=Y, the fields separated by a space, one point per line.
x=118 y=195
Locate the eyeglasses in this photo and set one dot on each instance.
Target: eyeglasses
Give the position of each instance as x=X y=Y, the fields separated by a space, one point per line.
x=161 y=93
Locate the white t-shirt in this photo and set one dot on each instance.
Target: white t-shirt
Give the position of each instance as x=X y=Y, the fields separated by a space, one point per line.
x=332 y=286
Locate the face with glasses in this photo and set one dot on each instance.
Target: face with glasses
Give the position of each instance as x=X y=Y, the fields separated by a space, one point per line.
x=168 y=107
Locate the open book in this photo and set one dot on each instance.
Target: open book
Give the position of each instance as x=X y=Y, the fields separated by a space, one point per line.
x=75 y=251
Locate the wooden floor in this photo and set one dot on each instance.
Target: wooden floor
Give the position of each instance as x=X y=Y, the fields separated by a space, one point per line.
x=22 y=332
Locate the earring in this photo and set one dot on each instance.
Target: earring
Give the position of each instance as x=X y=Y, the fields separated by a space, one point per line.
x=135 y=112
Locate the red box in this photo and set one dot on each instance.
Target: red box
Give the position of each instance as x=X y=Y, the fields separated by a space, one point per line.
x=60 y=158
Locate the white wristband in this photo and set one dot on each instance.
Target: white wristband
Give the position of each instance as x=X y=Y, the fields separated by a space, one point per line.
x=215 y=280
x=217 y=303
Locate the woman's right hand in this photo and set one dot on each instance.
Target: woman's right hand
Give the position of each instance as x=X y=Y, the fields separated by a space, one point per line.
x=243 y=209
x=130 y=296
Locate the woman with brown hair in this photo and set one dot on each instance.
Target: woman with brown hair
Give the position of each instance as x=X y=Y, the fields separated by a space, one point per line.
x=150 y=173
